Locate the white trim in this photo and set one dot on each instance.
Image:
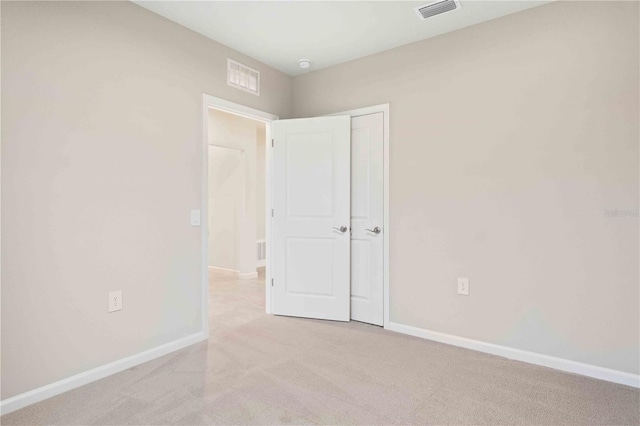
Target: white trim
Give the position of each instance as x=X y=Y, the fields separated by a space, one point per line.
x=247 y=275
x=237 y=109
x=254 y=114
x=261 y=263
x=383 y=108
x=204 y=219
x=222 y=269
x=556 y=363
x=268 y=205
x=44 y=392
x=240 y=275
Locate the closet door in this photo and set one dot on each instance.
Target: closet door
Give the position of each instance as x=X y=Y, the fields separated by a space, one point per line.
x=367 y=217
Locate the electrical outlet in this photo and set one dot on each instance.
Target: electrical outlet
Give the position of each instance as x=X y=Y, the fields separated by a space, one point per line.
x=463 y=286
x=194 y=218
x=115 y=300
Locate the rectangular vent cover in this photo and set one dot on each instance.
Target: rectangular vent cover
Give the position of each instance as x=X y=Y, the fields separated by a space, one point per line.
x=242 y=77
x=261 y=250
x=437 y=8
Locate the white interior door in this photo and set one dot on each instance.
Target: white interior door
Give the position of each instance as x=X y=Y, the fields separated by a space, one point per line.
x=367 y=218
x=311 y=201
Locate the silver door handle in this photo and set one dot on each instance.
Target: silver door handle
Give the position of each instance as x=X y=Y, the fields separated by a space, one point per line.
x=375 y=230
x=342 y=229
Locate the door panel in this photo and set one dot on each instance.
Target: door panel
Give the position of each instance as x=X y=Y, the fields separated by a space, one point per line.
x=367 y=212
x=306 y=276
x=360 y=269
x=311 y=197
x=309 y=175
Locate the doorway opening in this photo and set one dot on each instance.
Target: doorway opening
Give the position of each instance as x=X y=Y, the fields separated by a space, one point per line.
x=236 y=172
x=235 y=202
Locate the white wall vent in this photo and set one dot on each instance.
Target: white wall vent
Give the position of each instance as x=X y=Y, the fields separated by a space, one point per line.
x=261 y=252
x=437 y=8
x=242 y=77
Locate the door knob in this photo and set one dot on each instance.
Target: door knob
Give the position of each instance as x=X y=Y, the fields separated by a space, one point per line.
x=342 y=229
x=375 y=230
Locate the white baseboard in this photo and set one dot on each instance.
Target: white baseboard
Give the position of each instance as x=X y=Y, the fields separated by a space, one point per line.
x=40 y=394
x=261 y=263
x=241 y=275
x=222 y=269
x=248 y=275
x=561 y=364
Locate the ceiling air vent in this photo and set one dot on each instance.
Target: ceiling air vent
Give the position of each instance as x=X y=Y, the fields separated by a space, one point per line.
x=242 y=77
x=436 y=8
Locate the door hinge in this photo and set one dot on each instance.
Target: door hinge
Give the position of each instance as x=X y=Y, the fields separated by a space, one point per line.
x=271 y=143
x=272 y=214
x=271 y=282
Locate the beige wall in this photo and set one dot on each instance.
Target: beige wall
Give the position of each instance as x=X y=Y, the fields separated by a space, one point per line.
x=101 y=163
x=226 y=194
x=510 y=140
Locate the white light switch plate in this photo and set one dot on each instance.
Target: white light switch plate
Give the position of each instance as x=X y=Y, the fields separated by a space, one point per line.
x=195 y=217
x=463 y=286
x=115 y=300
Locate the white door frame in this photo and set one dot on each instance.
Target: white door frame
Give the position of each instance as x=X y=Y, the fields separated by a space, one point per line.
x=211 y=102
x=383 y=108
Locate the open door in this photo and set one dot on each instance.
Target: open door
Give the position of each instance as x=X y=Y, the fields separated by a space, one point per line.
x=367 y=218
x=311 y=218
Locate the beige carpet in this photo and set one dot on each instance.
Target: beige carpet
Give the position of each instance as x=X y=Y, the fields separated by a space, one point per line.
x=259 y=369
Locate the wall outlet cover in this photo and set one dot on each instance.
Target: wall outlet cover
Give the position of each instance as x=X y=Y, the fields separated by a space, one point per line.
x=115 y=300
x=463 y=286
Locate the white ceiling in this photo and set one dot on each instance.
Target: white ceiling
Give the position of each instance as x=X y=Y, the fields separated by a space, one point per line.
x=279 y=33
